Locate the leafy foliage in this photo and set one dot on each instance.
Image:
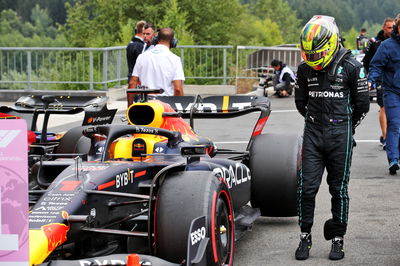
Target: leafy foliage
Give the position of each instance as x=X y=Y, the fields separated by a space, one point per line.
x=348 y=13
x=177 y=19
x=15 y=33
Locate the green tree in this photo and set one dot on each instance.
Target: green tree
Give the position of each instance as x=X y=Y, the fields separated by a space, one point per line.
x=350 y=37
x=42 y=22
x=176 y=19
x=257 y=32
x=99 y=23
x=211 y=21
x=16 y=33
x=281 y=14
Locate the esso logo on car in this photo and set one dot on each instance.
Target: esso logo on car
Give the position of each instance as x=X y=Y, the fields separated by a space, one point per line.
x=197 y=235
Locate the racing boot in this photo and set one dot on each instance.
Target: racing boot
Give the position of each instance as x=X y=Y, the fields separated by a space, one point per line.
x=303 y=251
x=337 y=251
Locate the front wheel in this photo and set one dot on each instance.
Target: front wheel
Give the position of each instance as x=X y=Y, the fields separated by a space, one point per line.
x=183 y=197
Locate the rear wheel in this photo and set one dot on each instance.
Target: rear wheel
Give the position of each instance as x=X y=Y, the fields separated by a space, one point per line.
x=183 y=197
x=274 y=164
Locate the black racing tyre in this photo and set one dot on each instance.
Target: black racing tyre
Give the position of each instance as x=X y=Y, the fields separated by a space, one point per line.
x=274 y=165
x=74 y=142
x=184 y=196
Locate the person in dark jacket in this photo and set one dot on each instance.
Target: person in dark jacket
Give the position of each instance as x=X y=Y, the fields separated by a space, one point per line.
x=135 y=47
x=386 y=65
x=283 y=78
x=362 y=40
x=331 y=93
x=373 y=45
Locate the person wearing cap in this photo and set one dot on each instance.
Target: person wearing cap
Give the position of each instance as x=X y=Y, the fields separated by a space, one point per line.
x=331 y=93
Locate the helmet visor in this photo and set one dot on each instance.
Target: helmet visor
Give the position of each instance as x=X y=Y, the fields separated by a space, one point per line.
x=312 y=56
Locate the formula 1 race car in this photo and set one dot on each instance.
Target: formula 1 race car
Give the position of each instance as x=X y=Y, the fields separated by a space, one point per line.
x=156 y=190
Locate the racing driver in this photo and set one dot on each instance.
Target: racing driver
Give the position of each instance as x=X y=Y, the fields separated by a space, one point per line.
x=331 y=93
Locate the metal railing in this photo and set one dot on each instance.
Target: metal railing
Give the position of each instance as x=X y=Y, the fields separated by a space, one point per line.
x=32 y=68
x=29 y=66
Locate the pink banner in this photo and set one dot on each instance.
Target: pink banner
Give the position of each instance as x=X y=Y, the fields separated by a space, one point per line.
x=13 y=191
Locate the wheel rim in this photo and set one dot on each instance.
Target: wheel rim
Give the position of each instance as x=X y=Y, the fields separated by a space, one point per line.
x=223 y=231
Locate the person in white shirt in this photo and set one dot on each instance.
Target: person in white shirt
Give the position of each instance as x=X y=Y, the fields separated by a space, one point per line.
x=159 y=68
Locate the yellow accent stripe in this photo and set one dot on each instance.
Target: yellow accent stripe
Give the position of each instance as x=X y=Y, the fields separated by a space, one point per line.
x=225 y=104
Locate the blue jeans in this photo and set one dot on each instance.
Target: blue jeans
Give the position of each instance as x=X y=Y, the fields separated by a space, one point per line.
x=392 y=107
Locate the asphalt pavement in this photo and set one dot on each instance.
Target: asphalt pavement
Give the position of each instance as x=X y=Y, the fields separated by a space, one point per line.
x=373 y=236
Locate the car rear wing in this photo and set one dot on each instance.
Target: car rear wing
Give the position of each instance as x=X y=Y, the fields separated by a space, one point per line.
x=60 y=102
x=221 y=107
x=214 y=104
x=30 y=107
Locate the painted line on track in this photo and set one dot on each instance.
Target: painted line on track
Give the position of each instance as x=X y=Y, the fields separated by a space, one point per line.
x=284 y=111
x=245 y=142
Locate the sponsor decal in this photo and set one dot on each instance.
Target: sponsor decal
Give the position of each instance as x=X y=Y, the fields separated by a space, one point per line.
x=146 y=130
x=241 y=106
x=98 y=119
x=336 y=87
x=69 y=185
x=362 y=73
x=197 y=235
x=97 y=262
x=203 y=107
x=124 y=179
x=88 y=168
x=211 y=107
x=326 y=94
x=138 y=147
x=235 y=175
x=159 y=149
x=339 y=69
x=102 y=117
